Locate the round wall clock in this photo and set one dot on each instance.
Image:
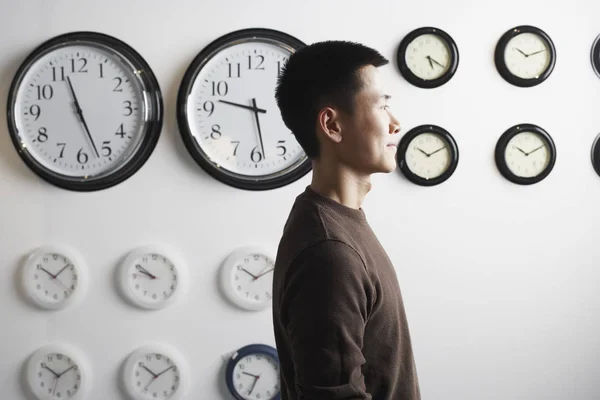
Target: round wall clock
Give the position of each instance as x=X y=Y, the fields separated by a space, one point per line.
x=57 y=372
x=427 y=57
x=247 y=278
x=153 y=277
x=253 y=373
x=427 y=155
x=525 y=56
x=54 y=277
x=595 y=55
x=84 y=111
x=525 y=154
x=156 y=371
x=227 y=114
x=596 y=155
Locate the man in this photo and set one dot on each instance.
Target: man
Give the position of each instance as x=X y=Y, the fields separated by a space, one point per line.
x=339 y=320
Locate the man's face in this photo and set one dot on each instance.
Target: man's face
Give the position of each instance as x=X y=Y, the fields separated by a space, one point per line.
x=369 y=139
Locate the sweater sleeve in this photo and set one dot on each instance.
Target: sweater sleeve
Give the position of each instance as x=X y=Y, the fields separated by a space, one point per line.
x=326 y=301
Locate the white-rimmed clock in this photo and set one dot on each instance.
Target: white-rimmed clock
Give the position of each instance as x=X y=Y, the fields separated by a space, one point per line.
x=54 y=276
x=156 y=371
x=57 y=372
x=247 y=277
x=153 y=276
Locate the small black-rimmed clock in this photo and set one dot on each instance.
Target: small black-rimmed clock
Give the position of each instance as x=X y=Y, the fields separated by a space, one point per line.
x=227 y=114
x=427 y=155
x=525 y=154
x=525 y=56
x=596 y=154
x=427 y=57
x=595 y=55
x=84 y=111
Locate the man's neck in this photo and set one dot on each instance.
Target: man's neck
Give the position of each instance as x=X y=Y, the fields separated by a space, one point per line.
x=340 y=184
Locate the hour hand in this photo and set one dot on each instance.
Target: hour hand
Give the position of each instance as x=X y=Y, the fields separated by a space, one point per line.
x=260 y=110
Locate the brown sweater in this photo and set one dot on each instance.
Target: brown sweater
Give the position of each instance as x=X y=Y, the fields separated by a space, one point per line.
x=339 y=320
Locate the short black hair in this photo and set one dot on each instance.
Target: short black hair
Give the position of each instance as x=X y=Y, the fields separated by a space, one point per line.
x=317 y=75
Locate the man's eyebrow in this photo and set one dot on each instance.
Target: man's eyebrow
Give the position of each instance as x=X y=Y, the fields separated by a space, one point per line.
x=385 y=96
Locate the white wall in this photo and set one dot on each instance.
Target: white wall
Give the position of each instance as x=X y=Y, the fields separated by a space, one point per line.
x=499 y=280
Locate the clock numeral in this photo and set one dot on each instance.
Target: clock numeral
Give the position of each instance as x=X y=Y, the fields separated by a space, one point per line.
x=45 y=92
x=107 y=151
x=216 y=132
x=82 y=157
x=118 y=87
x=120 y=131
x=237 y=144
x=62 y=74
x=231 y=70
x=42 y=135
x=209 y=107
x=279 y=68
x=256 y=156
x=35 y=111
x=221 y=88
x=128 y=108
x=82 y=69
x=101 y=70
x=62 y=150
x=259 y=66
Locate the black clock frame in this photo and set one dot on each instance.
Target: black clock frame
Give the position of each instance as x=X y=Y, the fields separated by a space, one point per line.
x=595 y=56
x=239 y=181
x=246 y=351
x=503 y=143
x=596 y=154
x=414 y=79
x=403 y=147
x=501 y=65
x=153 y=123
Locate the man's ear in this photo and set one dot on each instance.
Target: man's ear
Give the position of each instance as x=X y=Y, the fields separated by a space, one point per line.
x=329 y=124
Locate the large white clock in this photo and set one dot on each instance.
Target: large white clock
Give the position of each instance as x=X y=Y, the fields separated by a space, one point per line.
x=54 y=276
x=58 y=372
x=156 y=371
x=228 y=116
x=84 y=111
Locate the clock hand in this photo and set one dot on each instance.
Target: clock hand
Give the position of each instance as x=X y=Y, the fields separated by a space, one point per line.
x=48 y=368
x=430 y=63
x=65 y=371
x=59 y=272
x=52 y=275
x=55 y=383
x=443 y=66
x=65 y=286
x=172 y=366
x=541 y=51
x=144 y=271
x=519 y=50
x=266 y=272
x=253 y=385
x=442 y=148
x=146 y=368
x=260 y=110
x=258 y=125
x=423 y=152
x=254 y=376
x=521 y=151
x=80 y=113
x=536 y=149
x=246 y=271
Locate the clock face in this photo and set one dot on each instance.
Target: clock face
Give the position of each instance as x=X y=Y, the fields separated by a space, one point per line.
x=57 y=372
x=84 y=111
x=53 y=276
x=256 y=377
x=525 y=154
x=247 y=278
x=428 y=155
x=155 y=372
x=152 y=276
x=428 y=57
x=527 y=56
x=228 y=116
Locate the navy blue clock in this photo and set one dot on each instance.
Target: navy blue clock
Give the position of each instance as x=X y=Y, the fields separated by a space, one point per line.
x=253 y=373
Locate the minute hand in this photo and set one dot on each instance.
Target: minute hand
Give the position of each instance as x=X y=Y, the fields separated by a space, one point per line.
x=260 y=110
